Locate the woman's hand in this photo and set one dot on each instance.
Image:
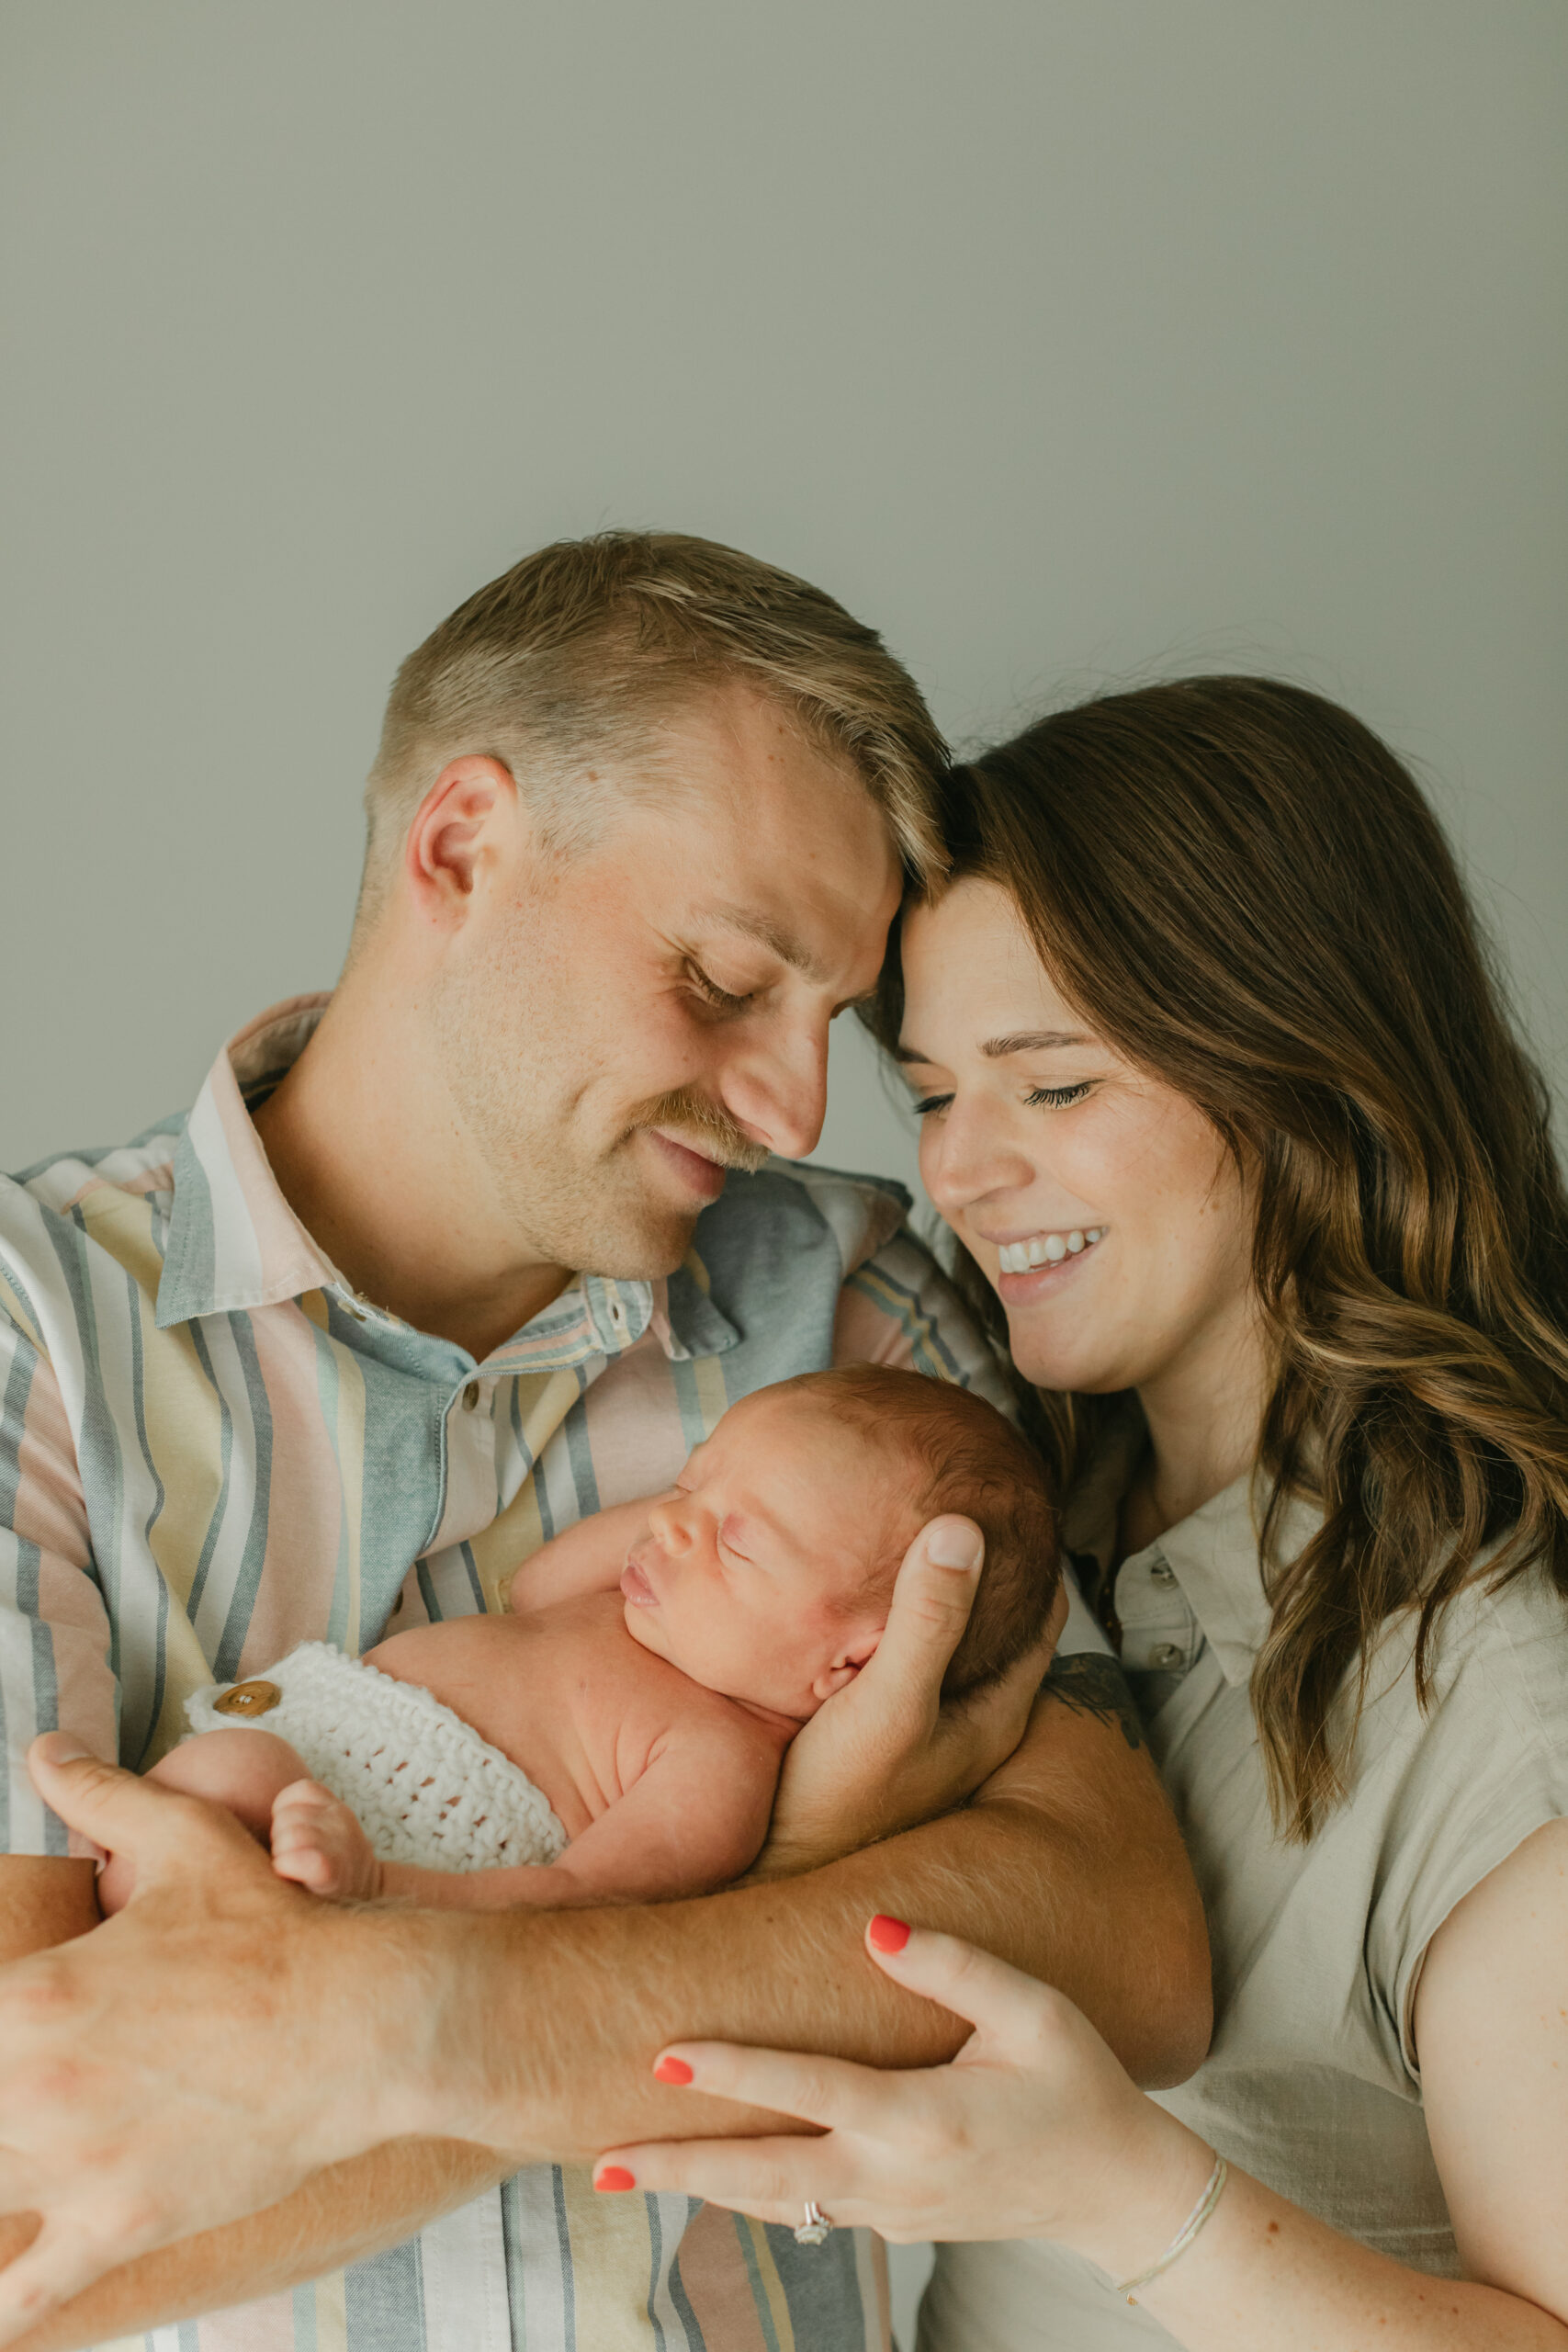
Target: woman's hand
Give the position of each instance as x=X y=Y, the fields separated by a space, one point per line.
x=884 y=1754
x=1034 y=2131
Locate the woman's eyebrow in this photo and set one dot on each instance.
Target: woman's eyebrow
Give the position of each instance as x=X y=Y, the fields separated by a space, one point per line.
x=996 y=1049
x=1031 y=1041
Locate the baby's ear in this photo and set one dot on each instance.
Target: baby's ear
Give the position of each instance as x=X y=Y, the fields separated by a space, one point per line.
x=848 y=1661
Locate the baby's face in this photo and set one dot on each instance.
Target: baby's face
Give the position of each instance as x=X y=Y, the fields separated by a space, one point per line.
x=773 y=1525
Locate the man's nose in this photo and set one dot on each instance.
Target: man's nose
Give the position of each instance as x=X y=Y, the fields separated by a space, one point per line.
x=777 y=1089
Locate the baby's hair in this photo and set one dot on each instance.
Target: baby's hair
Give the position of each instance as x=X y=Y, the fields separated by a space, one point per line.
x=974 y=1462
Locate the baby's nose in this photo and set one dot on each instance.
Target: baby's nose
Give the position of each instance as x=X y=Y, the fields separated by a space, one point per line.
x=667 y=1521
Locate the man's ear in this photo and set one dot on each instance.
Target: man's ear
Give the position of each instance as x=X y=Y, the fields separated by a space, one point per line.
x=471 y=821
x=848 y=1661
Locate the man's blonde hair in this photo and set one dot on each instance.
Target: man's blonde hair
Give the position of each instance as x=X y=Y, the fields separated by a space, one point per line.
x=578 y=654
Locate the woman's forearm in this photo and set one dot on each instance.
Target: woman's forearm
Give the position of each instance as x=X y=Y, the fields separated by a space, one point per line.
x=1262 y=2271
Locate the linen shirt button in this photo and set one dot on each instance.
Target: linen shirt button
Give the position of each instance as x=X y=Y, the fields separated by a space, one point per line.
x=470 y=1396
x=1165 y=1654
x=1162 y=1572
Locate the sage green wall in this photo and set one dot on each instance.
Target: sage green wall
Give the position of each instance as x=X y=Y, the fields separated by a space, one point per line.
x=1064 y=339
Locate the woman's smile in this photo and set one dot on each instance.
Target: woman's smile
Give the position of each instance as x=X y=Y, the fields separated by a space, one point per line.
x=1029 y=1272
x=1040 y=1144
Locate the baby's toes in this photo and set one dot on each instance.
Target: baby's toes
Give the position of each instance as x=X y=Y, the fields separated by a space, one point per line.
x=310 y=1866
x=316 y=1841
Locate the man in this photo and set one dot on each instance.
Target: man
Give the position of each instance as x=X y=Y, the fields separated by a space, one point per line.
x=429 y=1271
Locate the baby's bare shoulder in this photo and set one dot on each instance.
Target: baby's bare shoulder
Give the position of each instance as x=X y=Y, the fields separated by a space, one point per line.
x=699 y=1722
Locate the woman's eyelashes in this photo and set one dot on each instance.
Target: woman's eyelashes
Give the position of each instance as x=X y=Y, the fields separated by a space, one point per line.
x=1055 y=1098
x=1039 y=1098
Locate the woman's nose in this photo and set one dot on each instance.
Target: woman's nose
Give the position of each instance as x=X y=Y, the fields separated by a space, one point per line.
x=970 y=1153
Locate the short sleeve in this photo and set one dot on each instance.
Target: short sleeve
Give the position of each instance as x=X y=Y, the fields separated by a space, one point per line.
x=54 y=1632
x=1490 y=1770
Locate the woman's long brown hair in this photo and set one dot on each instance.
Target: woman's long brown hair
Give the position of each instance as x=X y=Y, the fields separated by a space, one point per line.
x=1246 y=894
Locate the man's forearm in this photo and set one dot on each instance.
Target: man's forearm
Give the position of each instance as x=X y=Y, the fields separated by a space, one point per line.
x=1098 y=1902
x=535 y=2032
x=1077 y=1876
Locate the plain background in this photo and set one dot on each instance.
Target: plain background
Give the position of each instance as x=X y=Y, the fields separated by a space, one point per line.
x=1070 y=342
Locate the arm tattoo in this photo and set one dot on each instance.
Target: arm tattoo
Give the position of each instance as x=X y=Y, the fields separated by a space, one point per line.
x=1095 y=1686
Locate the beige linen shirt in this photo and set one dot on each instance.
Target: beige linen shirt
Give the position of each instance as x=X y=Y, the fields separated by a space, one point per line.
x=1312 y=2083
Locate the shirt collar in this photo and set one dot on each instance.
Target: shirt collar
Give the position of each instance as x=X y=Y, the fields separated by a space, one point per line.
x=1213 y=1553
x=235 y=1244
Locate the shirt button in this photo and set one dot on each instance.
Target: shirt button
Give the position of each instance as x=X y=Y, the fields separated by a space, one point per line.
x=470 y=1396
x=1162 y=1572
x=1165 y=1655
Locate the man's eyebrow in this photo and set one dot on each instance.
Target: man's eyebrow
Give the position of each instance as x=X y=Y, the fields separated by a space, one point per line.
x=753 y=925
x=996 y=1049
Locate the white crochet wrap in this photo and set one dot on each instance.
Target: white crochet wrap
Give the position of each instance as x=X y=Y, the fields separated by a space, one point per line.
x=424 y=1786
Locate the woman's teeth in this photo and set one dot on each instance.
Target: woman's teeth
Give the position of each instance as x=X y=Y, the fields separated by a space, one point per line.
x=1047 y=1249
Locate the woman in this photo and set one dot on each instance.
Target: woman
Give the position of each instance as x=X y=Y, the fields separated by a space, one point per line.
x=1220 y=1101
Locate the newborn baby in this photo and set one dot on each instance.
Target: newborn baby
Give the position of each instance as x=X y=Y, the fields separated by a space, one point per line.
x=619 y=1734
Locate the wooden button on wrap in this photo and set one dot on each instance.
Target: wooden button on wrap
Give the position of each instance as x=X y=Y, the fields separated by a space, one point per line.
x=249 y=1698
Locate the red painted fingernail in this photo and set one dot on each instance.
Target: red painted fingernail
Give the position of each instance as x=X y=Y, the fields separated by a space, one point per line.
x=671 y=2070
x=888 y=1935
x=614 y=2177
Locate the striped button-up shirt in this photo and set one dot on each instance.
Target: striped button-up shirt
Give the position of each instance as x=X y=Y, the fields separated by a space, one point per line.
x=210 y=1449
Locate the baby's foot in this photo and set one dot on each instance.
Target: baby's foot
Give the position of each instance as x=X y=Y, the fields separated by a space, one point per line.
x=318 y=1843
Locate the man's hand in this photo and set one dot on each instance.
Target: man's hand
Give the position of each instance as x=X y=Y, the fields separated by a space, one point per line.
x=884 y=1754
x=123 y=2051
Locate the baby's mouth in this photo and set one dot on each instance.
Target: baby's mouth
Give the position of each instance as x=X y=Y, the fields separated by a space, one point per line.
x=637 y=1588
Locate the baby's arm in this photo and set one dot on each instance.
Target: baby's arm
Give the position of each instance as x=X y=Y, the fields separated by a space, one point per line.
x=588 y=1558
x=694 y=1820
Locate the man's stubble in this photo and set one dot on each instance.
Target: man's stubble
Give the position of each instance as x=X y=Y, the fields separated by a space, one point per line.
x=575 y=1183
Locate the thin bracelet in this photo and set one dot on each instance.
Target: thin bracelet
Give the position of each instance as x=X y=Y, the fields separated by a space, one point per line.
x=1185 y=2234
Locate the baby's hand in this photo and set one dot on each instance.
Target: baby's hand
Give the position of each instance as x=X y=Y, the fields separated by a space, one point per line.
x=317 y=1842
